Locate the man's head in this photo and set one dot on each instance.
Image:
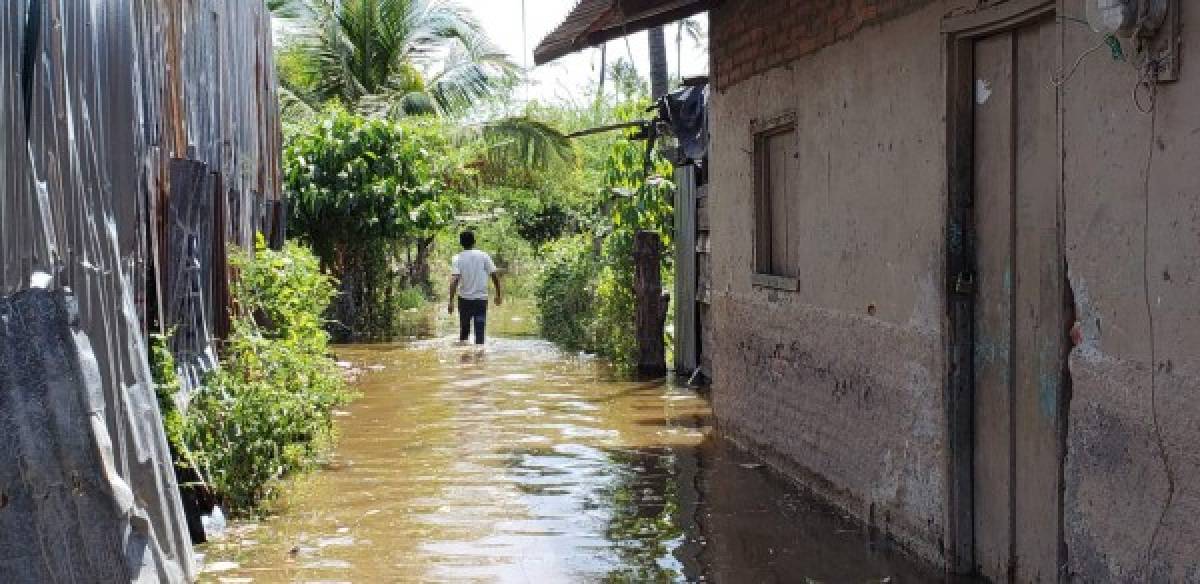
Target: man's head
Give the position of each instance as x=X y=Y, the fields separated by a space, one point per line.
x=467 y=239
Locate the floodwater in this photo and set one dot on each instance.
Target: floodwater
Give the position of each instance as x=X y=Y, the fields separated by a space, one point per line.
x=519 y=463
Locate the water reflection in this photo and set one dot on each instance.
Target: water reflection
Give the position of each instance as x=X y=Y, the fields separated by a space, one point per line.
x=522 y=464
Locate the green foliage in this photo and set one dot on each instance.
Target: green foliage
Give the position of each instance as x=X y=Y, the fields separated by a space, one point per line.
x=267 y=410
x=613 y=328
x=391 y=57
x=489 y=214
x=565 y=297
x=409 y=299
x=166 y=388
x=540 y=222
x=586 y=299
x=353 y=179
x=370 y=196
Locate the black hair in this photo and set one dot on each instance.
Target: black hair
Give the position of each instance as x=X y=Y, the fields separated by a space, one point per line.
x=467 y=239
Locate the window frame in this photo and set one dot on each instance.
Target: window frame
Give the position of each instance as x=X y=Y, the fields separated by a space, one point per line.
x=763 y=131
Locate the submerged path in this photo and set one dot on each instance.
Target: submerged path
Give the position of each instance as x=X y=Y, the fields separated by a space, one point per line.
x=521 y=464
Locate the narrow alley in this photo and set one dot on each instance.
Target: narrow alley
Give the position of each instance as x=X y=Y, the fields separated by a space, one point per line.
x=520 y=463
x=916 y=282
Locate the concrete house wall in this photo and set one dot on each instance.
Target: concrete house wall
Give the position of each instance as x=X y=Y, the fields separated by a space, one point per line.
x=1132 y=213
x=841 y=383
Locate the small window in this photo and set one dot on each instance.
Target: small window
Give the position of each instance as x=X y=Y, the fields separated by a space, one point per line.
x=775 y=163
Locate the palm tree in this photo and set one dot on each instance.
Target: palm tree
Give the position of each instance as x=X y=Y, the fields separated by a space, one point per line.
x=396 y=58
x=392 y=56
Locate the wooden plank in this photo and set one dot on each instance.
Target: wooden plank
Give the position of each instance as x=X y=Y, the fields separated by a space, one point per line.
x=993 y=164
x=997 y=17
x=776 y=282
x=1040 y=342
x=960 y=280
x=781 y=164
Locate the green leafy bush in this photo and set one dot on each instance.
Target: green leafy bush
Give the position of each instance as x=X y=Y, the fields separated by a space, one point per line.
x=586 y=299
x=370 y=195
x=566 y=293
x=410 y=298
x=540 y=222
x=267 y=410
x=167 y=386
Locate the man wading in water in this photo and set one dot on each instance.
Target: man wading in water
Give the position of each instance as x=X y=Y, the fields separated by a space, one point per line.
x=470 y=271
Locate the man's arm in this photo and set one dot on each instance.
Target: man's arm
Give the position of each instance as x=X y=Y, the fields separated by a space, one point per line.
x=453 y=290
x=499 y=294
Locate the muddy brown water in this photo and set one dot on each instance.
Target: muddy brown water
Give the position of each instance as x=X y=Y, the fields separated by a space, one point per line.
x=521 y=463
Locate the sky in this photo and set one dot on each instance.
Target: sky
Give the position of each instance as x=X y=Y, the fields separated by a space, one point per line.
x=564 y=79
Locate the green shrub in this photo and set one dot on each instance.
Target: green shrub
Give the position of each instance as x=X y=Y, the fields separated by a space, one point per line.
x=370 y=196
x=410 y=298
x=565 y=293
x=267 y=410
x=613 y=329
x=166 y=387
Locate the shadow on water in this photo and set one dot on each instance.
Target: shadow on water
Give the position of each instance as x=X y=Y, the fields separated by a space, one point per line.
x=519 y=463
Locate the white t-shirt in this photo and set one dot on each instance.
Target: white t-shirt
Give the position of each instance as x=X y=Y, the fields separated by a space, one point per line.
x=474 y=267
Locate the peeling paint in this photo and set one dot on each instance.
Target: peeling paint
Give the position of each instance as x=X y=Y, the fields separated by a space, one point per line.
x=983 y=91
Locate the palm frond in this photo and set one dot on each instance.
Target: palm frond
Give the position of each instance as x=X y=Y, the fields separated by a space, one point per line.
x=293 y=108
x=466 y=79
x=368 y=50
x=692 y=29
x=524 y=141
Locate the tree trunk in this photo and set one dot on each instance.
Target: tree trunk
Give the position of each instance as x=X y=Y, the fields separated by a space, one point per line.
x=651 y=316
x=659 y=76
x=421 y=271
x=603 y=71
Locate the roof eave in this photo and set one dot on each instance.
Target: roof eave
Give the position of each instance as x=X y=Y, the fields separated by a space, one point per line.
x=599 y=32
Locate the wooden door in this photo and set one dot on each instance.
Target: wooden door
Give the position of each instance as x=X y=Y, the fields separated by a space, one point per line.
x=1021 y=313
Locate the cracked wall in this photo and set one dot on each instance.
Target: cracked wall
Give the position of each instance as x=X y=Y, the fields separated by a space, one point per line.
x=841 y=382
x=1132 y=211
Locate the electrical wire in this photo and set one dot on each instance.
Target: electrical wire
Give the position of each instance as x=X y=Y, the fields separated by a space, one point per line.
x=1149 y=78
x=1058 y=81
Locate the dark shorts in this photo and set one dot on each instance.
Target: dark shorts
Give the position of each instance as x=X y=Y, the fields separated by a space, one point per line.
x=472 y=312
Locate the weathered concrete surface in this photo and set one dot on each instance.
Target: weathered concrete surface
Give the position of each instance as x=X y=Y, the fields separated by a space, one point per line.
x=841 y=382
x=66 y=514
x=1133 y=249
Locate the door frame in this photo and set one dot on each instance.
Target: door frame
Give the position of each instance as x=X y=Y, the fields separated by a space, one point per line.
x=960 y=31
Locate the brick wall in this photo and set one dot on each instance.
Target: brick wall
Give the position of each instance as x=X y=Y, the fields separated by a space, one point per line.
x=753 y=36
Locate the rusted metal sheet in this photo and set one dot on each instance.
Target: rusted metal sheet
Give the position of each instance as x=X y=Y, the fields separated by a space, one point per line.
x=189 y=269
x=106 y=100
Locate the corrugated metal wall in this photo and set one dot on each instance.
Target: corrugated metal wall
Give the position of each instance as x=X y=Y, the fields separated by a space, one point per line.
x=687 y=335
x=137 y=137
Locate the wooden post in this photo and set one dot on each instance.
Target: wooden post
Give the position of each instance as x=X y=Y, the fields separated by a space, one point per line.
x=651 y=304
